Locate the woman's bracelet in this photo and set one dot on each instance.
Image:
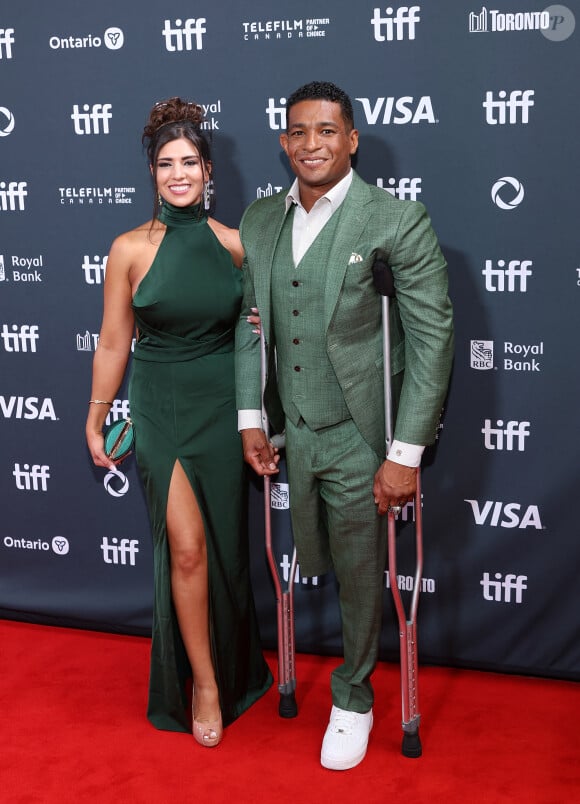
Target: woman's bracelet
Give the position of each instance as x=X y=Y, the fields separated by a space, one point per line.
x=99 y=402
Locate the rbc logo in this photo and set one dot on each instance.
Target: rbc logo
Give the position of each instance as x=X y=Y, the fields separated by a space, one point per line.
x=89 y=120
x=393 y=26
x=180 y=37
x=481 y=355
x=516 y=270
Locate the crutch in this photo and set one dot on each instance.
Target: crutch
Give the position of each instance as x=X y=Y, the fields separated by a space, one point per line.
x=411 y=744
x=284 y=595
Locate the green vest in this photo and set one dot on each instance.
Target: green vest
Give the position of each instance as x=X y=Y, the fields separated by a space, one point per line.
x=307 y=383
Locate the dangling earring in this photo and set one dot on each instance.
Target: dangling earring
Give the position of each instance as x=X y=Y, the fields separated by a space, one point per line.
x=207 y=195
x=159 y=200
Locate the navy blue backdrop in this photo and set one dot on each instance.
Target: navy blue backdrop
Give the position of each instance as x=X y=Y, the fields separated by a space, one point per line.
x=467 y=108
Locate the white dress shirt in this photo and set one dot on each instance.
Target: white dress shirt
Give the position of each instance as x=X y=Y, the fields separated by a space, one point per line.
x=306 y=227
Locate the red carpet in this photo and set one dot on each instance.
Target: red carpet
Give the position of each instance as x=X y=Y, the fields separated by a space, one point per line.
x=74 y=730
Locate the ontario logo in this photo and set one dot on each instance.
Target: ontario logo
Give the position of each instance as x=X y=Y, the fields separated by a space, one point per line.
x=112 y=38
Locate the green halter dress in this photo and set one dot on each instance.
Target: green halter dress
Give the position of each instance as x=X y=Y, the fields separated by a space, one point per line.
x=182 y=402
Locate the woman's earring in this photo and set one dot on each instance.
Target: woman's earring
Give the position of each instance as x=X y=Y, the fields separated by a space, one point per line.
x=159 y=199
x=207 y=195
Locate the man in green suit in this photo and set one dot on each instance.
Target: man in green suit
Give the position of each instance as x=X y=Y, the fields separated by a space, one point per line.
x=308 y=270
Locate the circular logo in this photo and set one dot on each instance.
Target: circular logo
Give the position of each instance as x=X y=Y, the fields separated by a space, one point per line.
x=6 y=121
x=60 y=545
x=114 y=38
x=499 y=186
x=122 y=489
x=562 y=23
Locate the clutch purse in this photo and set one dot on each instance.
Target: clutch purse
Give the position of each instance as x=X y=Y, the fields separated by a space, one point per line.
x=119 y=439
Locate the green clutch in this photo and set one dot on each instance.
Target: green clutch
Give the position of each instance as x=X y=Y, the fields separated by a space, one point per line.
x=119 y=439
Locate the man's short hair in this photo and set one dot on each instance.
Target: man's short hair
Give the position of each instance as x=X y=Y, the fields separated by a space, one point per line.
x=323 y=90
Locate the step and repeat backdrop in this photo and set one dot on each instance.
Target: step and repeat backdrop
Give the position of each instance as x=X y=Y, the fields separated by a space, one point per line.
x=470 y=109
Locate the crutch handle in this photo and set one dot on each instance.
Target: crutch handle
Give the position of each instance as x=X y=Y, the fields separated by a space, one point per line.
x=383 y=278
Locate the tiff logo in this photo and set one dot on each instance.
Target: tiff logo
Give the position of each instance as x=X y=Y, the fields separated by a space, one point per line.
x=31 y=478
x=511 y=111
x=21 y=338
x=516 y=274
x=393 y=26
x=94 y=271
x=493 y=437
x=182 y=35
x=501 y=591
x=6 y=42
x=276 y=114
x=12 y=193
x=89 y=120
x=285 y=566
x=117 y=552
x=406 y=188
x=119 y=410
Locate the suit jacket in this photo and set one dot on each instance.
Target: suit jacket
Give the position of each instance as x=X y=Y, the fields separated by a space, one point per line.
x=373 y=224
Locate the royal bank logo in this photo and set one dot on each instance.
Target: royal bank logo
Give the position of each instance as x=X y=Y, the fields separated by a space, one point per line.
x=184 y=35
x=21 y=269
x=398 y=111
x=6 y=121
x=504 y=22
x=513 y=278
x=6 y=42
x=389 y=25
x=404 y=188
x=95 y=196
x=112 y=38
x=516 y=356
x=94 y=269
x=12 y=195
x=280 y=496
x=276 y=30
x=508 y=109
x=507 y=193
x=481 y=355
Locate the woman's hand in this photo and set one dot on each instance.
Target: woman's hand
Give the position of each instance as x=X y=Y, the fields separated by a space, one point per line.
x=255 y=321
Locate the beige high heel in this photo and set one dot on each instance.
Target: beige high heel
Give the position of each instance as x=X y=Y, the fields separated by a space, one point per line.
x=207 y=732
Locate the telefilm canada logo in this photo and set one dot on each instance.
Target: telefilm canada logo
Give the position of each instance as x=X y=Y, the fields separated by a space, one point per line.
x=95 y=196
x=277 y=30
x=112 y=39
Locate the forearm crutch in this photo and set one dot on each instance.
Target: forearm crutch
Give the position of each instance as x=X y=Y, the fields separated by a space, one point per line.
x=411 y=744
x=284 y=591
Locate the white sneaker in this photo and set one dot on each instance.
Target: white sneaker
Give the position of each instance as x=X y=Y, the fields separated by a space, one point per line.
x=346 y=738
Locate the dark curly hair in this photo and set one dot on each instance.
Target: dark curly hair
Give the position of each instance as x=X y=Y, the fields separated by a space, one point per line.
x=323 y=90
x=174 y=119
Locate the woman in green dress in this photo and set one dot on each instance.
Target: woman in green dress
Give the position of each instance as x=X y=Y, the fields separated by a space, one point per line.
x=176 y=279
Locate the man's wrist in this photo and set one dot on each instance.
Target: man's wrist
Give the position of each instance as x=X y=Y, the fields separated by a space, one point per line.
x=249 y=419
x=405 y=454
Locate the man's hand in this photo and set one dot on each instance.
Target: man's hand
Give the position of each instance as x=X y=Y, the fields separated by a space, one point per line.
x=259 y=452
x=394 y=484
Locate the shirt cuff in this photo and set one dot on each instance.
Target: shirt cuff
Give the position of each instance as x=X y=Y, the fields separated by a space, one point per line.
x=405 y=454
x=249 y=418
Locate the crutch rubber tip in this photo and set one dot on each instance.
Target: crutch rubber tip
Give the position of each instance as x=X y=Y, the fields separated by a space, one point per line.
x=287 y=707
x=411 y=746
